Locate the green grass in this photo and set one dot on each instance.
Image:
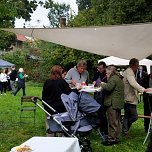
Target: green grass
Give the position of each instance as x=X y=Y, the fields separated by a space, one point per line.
x=13 y=134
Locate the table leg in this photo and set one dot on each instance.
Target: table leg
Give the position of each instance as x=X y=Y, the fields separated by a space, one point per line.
x=149 y=130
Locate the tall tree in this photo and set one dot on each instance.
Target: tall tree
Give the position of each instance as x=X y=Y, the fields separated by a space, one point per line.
x=109 y=12
x=9 y=11
x=83 y=4
x=57 y=12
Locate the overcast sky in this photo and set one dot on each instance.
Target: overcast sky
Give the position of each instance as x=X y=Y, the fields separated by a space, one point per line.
x=41 y=15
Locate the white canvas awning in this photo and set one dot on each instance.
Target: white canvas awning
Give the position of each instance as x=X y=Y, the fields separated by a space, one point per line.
x=111 y=60
x=124 y=41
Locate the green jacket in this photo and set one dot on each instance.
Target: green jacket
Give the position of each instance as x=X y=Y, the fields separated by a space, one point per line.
x=114 y=92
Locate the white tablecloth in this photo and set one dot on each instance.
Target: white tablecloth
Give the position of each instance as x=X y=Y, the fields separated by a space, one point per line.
x=53 y=144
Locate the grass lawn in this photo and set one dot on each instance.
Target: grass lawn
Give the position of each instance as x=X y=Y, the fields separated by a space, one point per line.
x=13 y=134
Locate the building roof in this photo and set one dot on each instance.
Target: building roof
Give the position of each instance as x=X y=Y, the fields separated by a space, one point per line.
x=21 y=37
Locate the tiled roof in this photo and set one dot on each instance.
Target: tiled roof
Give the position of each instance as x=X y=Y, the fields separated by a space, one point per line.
x=21 y=37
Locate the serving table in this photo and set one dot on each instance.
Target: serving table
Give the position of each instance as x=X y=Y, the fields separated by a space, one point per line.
x=52 y=144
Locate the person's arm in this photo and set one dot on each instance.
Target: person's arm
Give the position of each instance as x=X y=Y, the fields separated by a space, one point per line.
x=43 y=91
x=109 y=86
x=21 y=76
x=132 y=81
x=68 y=77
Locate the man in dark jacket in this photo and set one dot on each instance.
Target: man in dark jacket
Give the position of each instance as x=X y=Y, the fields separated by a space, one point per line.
x=100 y=76
x=147 y=83
x=13 y=76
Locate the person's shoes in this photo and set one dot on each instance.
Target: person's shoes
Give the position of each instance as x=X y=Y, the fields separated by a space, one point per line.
x=13 y=94
x=104 y=137
x=109 y=142
x=4 y=93
x=126 y=135
x=117 y=141
x=1 y=94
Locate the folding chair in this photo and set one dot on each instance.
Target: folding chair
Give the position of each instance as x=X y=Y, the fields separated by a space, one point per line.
x=27 y=105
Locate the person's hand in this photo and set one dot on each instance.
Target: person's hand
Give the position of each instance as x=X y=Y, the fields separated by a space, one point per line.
x=102 y=83
x=73 y=82
x=25 y=75
x=79 y=87
x=94 y=82
x=148 y=90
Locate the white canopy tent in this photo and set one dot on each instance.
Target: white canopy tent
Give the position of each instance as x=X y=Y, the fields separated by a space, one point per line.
x=111 y=60
x=124 y=41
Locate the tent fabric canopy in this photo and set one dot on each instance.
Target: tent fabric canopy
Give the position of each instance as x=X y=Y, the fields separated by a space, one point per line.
x=124 y=41
x=5 y=64
x=111 y=60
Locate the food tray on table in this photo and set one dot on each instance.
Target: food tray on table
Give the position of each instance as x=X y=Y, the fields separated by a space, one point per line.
x=90 y=89
x=22 y=148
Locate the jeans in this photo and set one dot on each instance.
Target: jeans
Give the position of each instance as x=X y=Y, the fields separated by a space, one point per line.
x=18 y=89
x=12 y=83
x=129 y=117
x=4 y=87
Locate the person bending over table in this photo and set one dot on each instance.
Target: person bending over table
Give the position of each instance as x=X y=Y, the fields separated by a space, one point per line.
x=77 y=74
x=101 y=76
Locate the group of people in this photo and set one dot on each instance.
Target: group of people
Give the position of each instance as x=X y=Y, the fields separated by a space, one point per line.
x=117 y=92
x=10 y=78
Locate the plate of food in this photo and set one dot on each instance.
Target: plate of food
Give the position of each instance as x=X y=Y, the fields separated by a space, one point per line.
x=90 y=89
x=23 y=148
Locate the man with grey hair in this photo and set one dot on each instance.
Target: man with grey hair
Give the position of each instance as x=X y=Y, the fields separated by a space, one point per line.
x=131 y=87
x=77 y=74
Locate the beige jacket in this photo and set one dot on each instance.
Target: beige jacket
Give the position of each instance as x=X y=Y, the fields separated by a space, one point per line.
x=131 y=87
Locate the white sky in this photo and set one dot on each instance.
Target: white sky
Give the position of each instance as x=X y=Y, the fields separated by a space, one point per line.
x=41 y=15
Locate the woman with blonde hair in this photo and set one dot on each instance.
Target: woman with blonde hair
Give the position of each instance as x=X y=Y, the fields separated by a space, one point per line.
x=21 y=81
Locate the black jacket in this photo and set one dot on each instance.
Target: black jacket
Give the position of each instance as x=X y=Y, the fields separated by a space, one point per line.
x=51 y=94
x=13 y=75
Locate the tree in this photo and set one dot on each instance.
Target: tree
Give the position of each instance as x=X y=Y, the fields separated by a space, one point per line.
x=10 y=10
x=15 y=9
x=83 y=4
x=6 y=39
x=57 y=12
x=110 y=12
